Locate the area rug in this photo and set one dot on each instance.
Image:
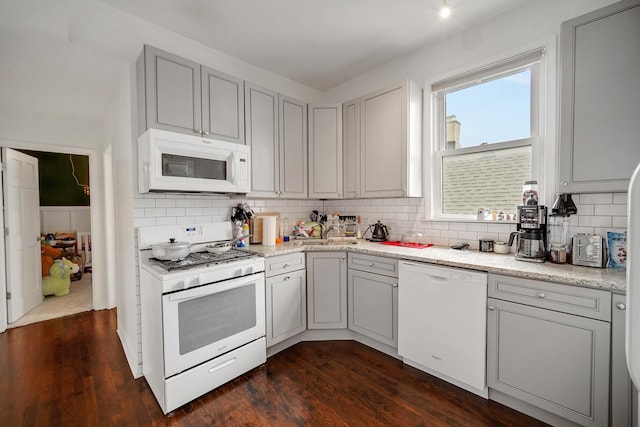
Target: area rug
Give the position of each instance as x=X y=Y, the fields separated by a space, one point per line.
x=79 y=299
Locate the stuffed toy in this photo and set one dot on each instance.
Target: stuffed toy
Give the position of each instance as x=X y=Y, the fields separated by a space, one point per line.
x=47 y=255
x=59 y=280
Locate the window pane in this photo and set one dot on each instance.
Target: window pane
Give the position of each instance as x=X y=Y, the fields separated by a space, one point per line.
x=495 y=111
x=488 y=179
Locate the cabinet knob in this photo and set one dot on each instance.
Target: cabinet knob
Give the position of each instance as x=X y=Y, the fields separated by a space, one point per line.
x=285 y=265
x=205 y=133
x=287 y=278
x=541 y=295
x=395 y=285
x=621 y=306
x=371 y=264
x=491 y=308
x=198 y=131
x=564 y=183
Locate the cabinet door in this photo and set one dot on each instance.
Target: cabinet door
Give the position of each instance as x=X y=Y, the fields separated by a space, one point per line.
x=325 y=151
x=293 y=148
x=600 y=99
x=261 y=106
x=327 y=293
x=383 y=154
x=286 y=296
x=555 y=361
x=222 y=106
x=622 y=390
x=172 y=92
x=373 y=306
x=351 y=149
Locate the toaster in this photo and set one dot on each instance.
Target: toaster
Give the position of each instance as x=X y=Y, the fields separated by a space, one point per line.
x=589 y=250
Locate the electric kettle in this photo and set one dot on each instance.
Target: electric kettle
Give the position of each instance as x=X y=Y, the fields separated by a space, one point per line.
x=379 y=232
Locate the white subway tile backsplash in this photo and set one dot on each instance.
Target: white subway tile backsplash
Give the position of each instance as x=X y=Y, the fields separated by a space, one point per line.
x=596 y=199
x=620 y=198
x=167 y=220
x=585 y=209
x=611 y=210
x=619 y=222
x=144 y=203
x=185 y=203
x=165 y=203
x=155 y=212
x=175 y=211
x=594 y=221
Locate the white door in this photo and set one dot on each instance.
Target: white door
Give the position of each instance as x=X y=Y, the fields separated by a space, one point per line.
x=22 y=219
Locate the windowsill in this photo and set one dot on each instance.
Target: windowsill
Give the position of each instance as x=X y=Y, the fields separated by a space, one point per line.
x=475 y=221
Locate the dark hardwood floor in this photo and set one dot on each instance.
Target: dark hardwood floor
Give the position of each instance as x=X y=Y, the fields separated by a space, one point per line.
x=72 y=372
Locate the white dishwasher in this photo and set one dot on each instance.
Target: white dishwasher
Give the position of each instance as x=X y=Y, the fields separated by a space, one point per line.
x=442 y=323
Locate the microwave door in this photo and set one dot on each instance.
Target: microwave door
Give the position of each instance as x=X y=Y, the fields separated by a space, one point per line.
x=198 y=168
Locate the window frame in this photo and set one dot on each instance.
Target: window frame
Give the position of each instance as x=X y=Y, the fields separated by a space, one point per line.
x=469 y=77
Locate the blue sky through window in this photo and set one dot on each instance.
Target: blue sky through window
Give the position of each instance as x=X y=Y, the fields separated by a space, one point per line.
x=495 y=111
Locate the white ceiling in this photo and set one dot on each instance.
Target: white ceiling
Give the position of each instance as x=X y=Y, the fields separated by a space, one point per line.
x=59 y=59
x=320 y=43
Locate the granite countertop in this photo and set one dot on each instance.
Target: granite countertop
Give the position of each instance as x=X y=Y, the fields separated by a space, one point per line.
x=604 y=278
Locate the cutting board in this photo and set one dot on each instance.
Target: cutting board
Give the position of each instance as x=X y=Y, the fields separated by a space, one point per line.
x=255 y=225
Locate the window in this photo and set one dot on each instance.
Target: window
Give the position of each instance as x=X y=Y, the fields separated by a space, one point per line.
x=486 y=136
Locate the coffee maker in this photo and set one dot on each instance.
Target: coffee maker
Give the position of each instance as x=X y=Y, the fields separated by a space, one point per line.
x=532 y=233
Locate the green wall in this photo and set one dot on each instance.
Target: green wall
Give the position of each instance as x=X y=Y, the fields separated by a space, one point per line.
x=57 y=185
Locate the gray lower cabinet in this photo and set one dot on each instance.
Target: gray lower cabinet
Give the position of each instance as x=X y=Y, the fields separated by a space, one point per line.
x=179 y=95
x=327 y=290
x=286 y=297
x=373 y=298
x=623 y=412
x=549 y=359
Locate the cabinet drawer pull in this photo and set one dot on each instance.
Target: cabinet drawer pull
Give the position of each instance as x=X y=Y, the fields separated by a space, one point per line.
x=541 y=295
x=371 y=264
x=285 y=265
x=621 y=306
x=491 y=308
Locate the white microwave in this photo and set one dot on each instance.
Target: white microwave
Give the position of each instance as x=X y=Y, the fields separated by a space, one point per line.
x=169 y=161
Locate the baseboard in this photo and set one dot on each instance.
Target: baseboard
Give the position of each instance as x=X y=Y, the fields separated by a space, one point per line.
x=132 y=356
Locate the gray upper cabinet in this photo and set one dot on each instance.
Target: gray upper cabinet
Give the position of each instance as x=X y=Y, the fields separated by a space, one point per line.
x=325 y=151
x=600 y=99
x=293 y=148
x=262 y=136
x=276 y=129
x=179 y=95
x=391 y=142
x=222 y=106
x=351 y=149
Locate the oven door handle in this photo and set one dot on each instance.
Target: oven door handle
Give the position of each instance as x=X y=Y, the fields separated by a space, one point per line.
x=191 y=293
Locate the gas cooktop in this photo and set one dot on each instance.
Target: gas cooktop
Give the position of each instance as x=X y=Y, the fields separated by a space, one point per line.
x=204 y=259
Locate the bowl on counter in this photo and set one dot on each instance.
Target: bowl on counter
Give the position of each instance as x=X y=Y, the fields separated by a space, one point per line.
x=501 y=248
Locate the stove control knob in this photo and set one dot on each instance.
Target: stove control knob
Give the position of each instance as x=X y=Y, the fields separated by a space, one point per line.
x=249 y=270
x=195 y=281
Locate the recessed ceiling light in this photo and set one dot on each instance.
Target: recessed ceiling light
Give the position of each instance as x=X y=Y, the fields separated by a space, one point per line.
x=445 y=11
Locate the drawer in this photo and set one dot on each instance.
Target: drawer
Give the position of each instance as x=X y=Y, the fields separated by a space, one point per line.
x=593 y=303
x=373 y=264
x=284 y=263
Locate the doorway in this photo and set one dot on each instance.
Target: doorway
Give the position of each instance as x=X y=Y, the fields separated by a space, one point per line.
x=65 y=213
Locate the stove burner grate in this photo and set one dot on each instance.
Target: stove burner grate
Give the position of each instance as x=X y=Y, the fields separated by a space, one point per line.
x=204 y=259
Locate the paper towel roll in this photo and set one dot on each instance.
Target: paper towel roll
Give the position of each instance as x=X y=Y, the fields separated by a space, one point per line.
x=269 y=230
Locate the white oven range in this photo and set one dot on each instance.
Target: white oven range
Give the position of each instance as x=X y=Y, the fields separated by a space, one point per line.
x=202 y=318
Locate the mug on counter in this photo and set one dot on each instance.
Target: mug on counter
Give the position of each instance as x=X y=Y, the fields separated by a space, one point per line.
x=485 y=245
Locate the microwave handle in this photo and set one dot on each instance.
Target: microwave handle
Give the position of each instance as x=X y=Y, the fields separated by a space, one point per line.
x=146 y=177
x=232 y=168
